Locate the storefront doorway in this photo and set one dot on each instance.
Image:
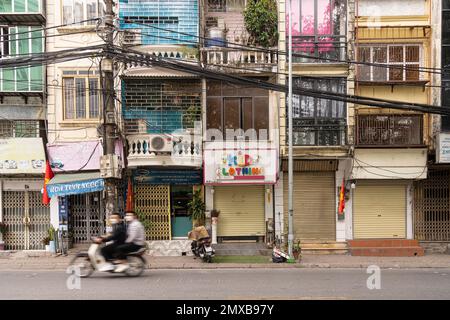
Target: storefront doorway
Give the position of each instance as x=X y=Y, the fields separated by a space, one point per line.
x=179 y=199
x=86 y=216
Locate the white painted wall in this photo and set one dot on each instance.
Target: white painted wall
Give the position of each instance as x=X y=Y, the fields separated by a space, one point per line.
x=392 y=8
x=54 y=212
x=60 y=130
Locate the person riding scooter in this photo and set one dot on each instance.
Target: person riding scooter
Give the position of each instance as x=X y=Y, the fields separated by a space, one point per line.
x=134 y=242
x=118 y=236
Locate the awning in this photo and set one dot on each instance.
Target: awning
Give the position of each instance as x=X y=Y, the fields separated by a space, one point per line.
x=22 y=155
x=75 y=183
x=156 y=72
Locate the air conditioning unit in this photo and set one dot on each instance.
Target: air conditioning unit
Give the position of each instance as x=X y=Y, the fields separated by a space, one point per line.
x=160 y=143
x=132 y=37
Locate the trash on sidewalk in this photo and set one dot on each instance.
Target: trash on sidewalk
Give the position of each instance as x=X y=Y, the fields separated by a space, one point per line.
x=279 y=256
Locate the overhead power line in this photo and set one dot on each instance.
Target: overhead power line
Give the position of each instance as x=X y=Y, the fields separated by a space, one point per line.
x=137 y=57
x=268 y=50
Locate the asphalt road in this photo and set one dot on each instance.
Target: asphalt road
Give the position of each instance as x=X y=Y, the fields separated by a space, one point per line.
x=240 y=284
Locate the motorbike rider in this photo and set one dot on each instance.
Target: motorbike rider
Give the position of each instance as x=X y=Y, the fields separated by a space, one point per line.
x=118 y=236
x=135 y=240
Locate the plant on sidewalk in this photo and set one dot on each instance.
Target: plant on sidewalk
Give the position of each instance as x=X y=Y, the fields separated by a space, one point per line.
x=51 y=233
x=46 y=241
x=196 y=207
x=296 y=250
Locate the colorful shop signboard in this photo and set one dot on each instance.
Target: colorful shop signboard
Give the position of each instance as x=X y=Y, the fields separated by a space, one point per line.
x=240 y=166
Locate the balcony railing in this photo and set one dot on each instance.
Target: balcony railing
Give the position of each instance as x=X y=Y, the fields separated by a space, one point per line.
x=319 y=48
x=160 y=150
x=31 y=12
x=235 y=57
x=389 y=130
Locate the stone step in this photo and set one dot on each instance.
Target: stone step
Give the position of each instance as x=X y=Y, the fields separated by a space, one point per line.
x=387 y=251
x=382 y=243
x=335 y=245
x=324 y=251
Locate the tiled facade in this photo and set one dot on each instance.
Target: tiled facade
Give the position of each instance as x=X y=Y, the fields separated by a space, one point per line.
x=152 y=16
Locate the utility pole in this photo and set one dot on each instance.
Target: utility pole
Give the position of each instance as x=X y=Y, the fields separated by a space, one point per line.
x=290 y=160
x=109 y=123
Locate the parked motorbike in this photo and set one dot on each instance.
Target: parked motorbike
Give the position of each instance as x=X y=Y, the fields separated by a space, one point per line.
x=90 y=261
x=201 y=244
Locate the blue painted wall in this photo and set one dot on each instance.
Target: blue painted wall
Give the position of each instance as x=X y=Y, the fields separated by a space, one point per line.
x=175 y=15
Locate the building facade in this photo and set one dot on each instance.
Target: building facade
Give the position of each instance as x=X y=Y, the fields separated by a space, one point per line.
x=22 y=125
x=322 y=43
x=75 y=116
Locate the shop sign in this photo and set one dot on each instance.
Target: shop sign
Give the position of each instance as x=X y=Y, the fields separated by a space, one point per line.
x=76 y=187
x=231 y=166
x=443 y=148
x=167 y=177
x=63 y=212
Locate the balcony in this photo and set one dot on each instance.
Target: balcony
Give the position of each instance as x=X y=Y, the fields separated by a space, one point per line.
x=239 y=61
x=319 y=48
x=29 y=12
x=389 y=131
x=183 y=150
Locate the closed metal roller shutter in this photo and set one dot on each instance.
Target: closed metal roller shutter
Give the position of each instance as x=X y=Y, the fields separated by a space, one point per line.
x=314 y=205
x=241 y=211
x=379 y=210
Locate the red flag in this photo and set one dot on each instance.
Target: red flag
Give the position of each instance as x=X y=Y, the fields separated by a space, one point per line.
x=130 y=198
x=48 y=176
x=342 y=198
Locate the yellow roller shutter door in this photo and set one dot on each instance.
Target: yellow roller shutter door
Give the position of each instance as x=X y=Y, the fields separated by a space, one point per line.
x=379 y=210
x=241 y=210
x=314 y=205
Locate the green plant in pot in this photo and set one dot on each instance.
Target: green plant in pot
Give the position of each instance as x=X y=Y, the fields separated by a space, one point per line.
x=51 y=236
x=297 y=250
x=196 y=208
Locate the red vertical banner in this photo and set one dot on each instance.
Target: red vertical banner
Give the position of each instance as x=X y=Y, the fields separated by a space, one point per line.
x=48 y=176
x=341 y=200
x=130 y=197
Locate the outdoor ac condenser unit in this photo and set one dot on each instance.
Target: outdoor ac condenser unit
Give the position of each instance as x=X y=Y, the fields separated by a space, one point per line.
x=160 y=143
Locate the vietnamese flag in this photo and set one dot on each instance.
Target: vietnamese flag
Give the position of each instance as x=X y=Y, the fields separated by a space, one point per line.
x=342 y=198
x=130 y=201
x=48 y=176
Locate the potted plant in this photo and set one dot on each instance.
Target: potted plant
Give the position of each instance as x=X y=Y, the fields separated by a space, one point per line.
x=196 y=208
x=296 y=251
x=51 y=236
x=2 y=232
x=46 y=243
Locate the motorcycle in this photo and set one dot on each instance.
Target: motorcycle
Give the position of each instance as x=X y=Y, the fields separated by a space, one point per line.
x=90 y=261
x=202 y=248
x=201 y=244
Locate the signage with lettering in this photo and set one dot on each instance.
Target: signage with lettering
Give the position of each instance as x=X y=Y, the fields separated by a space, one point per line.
x=234 y=166
x=76 y=187
x=171 y=177
x=443 y=148
x=63 y=212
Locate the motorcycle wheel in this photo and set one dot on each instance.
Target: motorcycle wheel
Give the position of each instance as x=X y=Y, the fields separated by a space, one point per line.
x=136 y=265
x=83 y=265
x=208 y=258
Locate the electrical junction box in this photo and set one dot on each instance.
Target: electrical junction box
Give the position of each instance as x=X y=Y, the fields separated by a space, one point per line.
x=110 y=166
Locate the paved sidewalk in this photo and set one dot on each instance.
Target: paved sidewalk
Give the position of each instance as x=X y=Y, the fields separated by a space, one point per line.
x=44 y=261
